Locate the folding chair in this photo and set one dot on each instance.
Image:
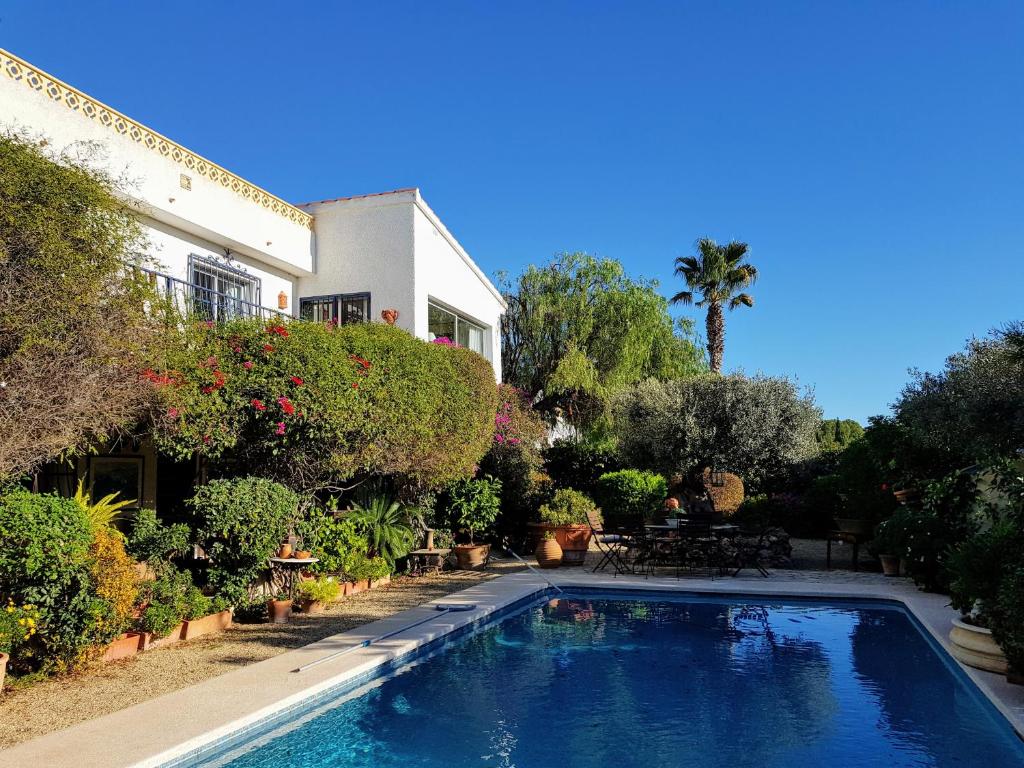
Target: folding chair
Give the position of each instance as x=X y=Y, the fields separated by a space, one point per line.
x=610 y=545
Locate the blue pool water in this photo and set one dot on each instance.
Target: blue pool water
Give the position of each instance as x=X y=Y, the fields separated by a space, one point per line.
x=583 y=682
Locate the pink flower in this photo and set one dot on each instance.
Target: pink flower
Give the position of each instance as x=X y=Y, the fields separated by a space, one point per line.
x=280 y=428
x=208 y=323
x=247 y=365
x=237 y=350
x=172 y=413
x=499 y=439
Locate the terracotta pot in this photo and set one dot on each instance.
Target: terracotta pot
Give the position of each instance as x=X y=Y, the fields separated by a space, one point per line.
x=854 y=526
x=975 y=647
x=548 y=554
x=151 y=641
x=284 y=551
x=360 y=586
x=4 y=658
x=312 y=606
x=302 y=554
x=347 y=588
x=279 y=611
x=471 y=556
x=573 y=539
x=890 y=564
x=207 y=625
x=907 y=495
x=382 y=581
x=126 y=645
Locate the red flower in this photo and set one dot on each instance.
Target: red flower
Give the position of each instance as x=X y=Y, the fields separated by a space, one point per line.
x=267 y=348
x=207 y=390
x=286 y=405
x=297 y=381
x=258 y=404
x=247 y=365
x=355 y=385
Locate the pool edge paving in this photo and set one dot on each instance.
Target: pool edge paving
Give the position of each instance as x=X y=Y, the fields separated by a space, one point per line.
x=185 y=722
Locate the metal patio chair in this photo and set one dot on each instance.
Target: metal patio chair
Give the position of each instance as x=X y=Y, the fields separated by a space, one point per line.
x=612 y=546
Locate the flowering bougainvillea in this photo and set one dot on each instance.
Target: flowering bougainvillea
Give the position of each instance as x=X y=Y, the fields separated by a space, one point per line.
x=310 y=404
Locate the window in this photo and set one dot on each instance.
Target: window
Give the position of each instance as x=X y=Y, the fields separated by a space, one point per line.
x=220 y=292
x=443 y=323
x=341 y=309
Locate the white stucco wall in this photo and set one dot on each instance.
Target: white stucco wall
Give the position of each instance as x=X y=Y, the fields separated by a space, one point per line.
x=446 y=275
x=209 y=211
x=365 y=244
x=394 y=246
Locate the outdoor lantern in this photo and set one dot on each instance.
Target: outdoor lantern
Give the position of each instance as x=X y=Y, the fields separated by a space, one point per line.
x=717 y=478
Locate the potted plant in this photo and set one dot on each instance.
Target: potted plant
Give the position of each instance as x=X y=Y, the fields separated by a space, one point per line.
x=548 y=553
x=979 y=572
x=568 y=515
x=474 y=506
x=315 y=594
x=279 y=608
x=889 y=544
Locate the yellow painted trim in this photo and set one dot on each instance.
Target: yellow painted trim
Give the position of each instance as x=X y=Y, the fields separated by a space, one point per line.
x=19 y=70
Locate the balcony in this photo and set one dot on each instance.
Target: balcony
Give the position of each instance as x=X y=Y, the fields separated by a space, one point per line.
x=203 y=303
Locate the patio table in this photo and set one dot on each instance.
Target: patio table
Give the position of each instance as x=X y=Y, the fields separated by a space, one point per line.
x=291 y=566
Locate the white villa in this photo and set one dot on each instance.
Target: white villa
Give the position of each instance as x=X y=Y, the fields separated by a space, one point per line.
x=229 y=247
x=225 y=247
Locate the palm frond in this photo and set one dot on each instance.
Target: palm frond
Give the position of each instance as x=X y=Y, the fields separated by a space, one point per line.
x=102 y=513
x=742 y=299
x=683 y=297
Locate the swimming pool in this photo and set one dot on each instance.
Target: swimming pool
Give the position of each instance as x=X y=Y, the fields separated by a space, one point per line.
x=586 y=680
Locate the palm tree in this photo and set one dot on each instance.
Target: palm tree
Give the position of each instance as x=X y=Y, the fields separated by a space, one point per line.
x=718 y=272
x=382 y=520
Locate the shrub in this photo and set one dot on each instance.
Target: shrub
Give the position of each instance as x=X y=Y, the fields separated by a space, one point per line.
x=46 y=560
x=978 y=565
x=322 y=590
x=1008 y=619
x=239 y=523
x=71 y=375
x=757 y=427
x=152 y=542
x=114 y=579
x=343 y=549
x=579 y=464
x=473 y=505
x=567 y=507
x=515 y=460
x=727 y=496
x=18 y=626
x=629 y=496
x=308 y=404
x=170 y=599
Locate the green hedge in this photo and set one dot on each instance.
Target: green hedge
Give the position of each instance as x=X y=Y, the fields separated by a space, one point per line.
x=629 y=496
x=306 y=403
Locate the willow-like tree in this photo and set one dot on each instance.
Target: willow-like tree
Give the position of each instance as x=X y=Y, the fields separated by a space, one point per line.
x=578 y=330
x=719 y=273
x=74 y=332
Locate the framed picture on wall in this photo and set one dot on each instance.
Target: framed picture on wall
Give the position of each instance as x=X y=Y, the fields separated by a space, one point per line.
x=117 y=474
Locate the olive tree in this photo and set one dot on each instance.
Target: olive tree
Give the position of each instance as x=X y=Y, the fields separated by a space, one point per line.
x=757 y=427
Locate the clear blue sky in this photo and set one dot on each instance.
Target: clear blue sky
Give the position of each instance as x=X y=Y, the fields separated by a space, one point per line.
x=872 y=154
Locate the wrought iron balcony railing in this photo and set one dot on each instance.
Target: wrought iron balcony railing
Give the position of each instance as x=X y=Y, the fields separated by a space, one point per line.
x=204 y=303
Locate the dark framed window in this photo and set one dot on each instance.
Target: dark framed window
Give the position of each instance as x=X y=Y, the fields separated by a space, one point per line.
x=220 y=291
x=340 y=308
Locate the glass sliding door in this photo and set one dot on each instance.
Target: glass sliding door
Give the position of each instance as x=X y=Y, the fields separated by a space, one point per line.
x=445 y=324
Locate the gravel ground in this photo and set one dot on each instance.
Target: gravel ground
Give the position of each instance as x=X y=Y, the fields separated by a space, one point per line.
x=32 y=710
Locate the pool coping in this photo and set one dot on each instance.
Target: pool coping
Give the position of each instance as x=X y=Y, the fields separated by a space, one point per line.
x=181 y=723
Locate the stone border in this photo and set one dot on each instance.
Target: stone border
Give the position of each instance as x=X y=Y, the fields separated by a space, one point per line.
x=182 y=723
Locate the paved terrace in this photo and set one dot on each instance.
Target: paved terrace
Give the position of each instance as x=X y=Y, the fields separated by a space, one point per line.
x=150 y=733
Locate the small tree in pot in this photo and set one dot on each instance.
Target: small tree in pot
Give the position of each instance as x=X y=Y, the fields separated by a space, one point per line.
x=473 y=506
